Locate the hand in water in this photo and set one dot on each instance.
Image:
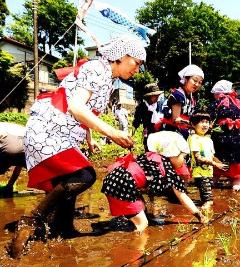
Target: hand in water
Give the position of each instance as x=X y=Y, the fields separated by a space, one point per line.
x=222 y=166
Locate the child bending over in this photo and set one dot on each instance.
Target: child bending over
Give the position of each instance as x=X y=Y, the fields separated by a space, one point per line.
x=202 y=157
x=151 y=171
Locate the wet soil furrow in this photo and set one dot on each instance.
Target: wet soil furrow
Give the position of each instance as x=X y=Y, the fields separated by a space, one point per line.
x=146 y=258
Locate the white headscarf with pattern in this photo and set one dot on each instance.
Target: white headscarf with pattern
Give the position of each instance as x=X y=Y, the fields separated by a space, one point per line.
x=222 y=86
x=122 y=46
x=188 y=71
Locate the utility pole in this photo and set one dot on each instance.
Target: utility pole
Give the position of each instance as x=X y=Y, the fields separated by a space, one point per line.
x=35 y=34
x=190 y=53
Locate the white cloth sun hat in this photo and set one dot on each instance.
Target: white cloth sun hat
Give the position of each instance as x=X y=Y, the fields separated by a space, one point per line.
x=222 y=86
x=167 y=143
x=122 y=46
x=188 y=71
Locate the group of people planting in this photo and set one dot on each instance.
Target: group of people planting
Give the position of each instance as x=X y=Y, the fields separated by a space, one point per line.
x=61 y=120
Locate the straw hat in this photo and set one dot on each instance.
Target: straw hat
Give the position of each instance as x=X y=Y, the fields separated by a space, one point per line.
x=152 y=89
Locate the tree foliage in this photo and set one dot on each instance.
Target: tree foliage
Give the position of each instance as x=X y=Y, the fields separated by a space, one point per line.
x=55 y=17
x=68 y=59
x=4 y=12
x=10 y=75
x=139 y=82
x=21 y=29
x=214 y=38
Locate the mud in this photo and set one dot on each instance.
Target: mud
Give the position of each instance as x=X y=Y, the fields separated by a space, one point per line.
x=180 y=242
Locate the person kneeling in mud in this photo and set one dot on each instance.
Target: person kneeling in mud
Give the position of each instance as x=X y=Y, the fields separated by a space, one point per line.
x=151 y=171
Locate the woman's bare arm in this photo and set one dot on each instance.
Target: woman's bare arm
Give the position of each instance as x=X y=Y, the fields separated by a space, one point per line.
x=78 y=108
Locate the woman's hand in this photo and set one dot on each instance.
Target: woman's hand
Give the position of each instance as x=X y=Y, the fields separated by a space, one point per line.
x=121 y=138
x=201 y=217
x=94 y=147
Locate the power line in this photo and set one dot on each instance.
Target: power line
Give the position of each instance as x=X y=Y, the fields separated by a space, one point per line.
x=92 y=20
x=36 y=64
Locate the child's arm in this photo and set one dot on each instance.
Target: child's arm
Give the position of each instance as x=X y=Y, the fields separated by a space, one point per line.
x=219 y=164
x=188 y=204
x=214 y=162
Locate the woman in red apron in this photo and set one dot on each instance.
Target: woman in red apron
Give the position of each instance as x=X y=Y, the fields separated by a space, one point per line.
x=59 y=122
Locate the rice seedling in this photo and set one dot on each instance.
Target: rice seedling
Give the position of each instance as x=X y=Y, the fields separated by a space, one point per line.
x=234 y=225
x=225 y=242
x=208 y=213
x=182 y=228
x=209 y=259
x=233 y=205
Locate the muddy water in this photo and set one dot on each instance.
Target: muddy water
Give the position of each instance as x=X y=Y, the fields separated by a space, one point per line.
x=175 y=244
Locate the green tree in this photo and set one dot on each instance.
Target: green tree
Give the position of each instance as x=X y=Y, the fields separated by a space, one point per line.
x=139 y=82
x=214 y=39
x=55 y=17
x=10 y=75
x=21 y=29
x=223 y=60
x=68 y=59
x=4 y=12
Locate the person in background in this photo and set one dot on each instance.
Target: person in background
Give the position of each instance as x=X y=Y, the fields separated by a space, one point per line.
x=58 y=123
x=202 y=157
x=225 y=112
x=149 y=111
x=181 y=102
x=11 y=153
x=121 y=115
x=151 y=171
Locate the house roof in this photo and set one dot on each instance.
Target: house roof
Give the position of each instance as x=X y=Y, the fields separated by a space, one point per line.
x=91 y=48
x=19 y=44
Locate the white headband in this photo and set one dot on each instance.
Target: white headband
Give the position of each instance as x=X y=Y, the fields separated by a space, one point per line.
x=222 y=86
x=122 y=46
x=188 y=71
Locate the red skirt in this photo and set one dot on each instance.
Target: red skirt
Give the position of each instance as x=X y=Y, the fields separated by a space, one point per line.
x=120 y=207
x=63 y=163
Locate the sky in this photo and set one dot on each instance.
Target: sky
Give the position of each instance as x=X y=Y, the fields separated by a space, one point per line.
x=108 y=29
x=94 y=18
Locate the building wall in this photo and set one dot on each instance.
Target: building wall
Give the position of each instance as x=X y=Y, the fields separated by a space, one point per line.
x=20 y=54
x=25 y=56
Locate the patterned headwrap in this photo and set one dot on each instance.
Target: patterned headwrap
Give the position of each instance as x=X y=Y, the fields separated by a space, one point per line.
x=222 y=86
x=122 y=46
x=188 y=71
